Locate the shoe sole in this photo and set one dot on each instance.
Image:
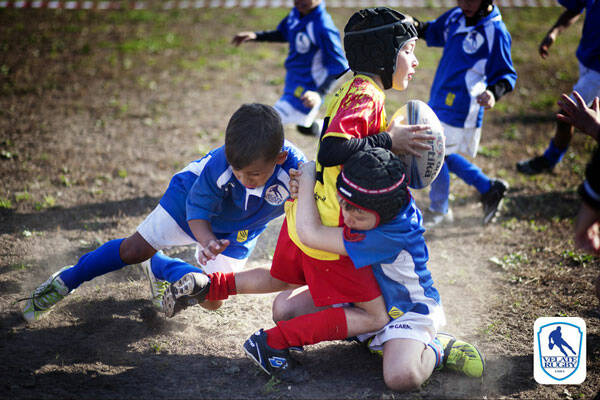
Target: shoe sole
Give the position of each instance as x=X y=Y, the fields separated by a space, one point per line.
x=183 y=287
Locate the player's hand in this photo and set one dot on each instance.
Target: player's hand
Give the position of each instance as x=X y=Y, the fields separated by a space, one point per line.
x=294 y=184
x=547 y=41
x=310 y=99
x=578 y=114
x=243 y=37
x=587 y=229
x=486 y=100
x=212 y=250
x=409 y=139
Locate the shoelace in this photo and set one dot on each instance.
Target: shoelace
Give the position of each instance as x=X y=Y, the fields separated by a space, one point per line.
x=40 y=291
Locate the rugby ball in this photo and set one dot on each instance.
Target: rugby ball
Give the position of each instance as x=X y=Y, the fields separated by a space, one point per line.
x=422 y=170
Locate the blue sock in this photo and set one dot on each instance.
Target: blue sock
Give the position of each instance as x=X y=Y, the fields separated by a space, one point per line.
x=438 y=349
x=104 y=259
x=553 y=154
x=170 y=269
x=468 y=172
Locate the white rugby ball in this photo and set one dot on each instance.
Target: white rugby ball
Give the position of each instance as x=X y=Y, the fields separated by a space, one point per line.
x=422 y=170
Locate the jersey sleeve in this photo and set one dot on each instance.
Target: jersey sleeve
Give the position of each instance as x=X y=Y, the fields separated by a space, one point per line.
x=294 y=157
x=500 y=65
x=205 y=198
x=434 y=34
x=354 y=118
x=283 y=27
x=379 y=245
x=576 y=6
x=328 y=40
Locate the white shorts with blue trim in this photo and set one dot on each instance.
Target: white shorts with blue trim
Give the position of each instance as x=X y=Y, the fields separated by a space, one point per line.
x=161 y=231
x=291 y=115
x=419 y=327
x=462 y=140
x=588 y=85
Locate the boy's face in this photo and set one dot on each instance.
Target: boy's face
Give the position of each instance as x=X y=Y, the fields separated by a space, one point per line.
x=406 y=62
x=469 y=7
x=258 y=172
x=306 y=6
x=355 y=218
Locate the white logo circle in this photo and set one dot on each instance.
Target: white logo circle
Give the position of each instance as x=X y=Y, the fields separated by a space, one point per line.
x=302 y=43
x=472 y=42
x=276 y=195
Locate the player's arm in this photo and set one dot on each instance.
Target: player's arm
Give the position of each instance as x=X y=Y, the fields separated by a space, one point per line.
x=566 y=19
x=311 y=230
x=211 y=246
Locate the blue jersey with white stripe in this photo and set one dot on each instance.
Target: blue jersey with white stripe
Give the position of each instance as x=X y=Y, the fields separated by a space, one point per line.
x=315 y=52
x=398 y=255
x=588 y=52
x=207 y=189
x=474 y=57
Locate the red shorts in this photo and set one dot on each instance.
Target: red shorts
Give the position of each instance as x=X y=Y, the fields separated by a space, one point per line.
x=329 y=282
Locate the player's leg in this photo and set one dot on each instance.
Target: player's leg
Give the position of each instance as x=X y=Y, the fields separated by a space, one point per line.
x=492 y=190
x=588 y=86
x=293 y=303
x=407 y=364
x=439 y=212
x=109 y=257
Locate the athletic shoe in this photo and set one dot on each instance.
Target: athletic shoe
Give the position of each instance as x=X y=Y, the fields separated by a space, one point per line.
x=431 y=219
x=45 y=296
x=274 y=362
x=534 y=166
x=157 y=286
x=461 y=356
x=492 y=200
x=188 y=291
x=313 y=130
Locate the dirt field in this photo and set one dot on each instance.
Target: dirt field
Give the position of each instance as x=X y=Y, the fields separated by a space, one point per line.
x=98 y=110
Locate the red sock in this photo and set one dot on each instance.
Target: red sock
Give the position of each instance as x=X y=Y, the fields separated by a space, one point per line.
x=221 y=286
x=329 y=324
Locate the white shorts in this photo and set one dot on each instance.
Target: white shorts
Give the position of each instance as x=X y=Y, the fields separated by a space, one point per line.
x=588 y=85
x=161 y=231
x=290 y=115
x=422 y=328
x=462 y=140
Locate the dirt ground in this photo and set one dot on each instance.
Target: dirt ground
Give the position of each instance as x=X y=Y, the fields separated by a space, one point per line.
x=98 y=110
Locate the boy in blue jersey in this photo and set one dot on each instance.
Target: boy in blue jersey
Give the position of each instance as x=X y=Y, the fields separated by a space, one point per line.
x=588 y=85
x=221 y=202
x=475 y=70
x=314 y=61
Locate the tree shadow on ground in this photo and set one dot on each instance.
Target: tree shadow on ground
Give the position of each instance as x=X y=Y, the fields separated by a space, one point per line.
x=76 y=217
x=542 y=206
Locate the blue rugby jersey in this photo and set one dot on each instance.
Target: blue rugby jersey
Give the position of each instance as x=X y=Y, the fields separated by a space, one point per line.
x=588 y=52
x=315 y=52
x=474 y=57
x=398 y=255
x=207 y=189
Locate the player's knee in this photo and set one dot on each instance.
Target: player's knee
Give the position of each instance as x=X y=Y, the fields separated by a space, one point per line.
x=135 y=249
x=281 y=308
x=404 y=380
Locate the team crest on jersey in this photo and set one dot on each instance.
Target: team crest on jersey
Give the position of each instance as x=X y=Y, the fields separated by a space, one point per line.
x=472 y=42
x=242 y=236
x=395 y=313
x=276 y=195
x=302 y=43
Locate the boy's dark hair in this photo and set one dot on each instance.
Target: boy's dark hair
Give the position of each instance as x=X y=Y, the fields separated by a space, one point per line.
x=372 y=39
x=374 y=180
x=254 y=132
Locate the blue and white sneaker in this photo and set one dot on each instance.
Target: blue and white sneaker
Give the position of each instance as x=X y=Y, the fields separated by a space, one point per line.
x=274 y=362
